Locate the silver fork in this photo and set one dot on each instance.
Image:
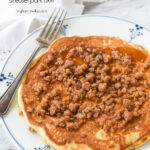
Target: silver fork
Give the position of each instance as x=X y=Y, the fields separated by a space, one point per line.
x=47 y=35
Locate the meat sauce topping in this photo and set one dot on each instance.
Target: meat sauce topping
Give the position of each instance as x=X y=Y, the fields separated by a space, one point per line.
x=89 y=84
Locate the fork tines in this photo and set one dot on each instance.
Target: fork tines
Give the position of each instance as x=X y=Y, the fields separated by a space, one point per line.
x=52 y=26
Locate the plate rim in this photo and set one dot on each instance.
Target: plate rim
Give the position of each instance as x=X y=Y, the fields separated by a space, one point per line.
x=2 y=120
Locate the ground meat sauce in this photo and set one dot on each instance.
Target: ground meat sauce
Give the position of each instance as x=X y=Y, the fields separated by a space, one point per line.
x=80 y=84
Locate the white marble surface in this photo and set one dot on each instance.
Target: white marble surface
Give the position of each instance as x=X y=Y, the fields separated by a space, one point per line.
x=134 y=10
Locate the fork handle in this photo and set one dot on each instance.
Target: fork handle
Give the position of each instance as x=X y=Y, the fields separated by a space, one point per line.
x=7 y=97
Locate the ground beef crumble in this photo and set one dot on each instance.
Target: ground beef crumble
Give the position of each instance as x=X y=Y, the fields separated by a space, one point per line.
x=92 y=85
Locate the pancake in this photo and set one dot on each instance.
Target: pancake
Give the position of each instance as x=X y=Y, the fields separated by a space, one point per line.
x=93 y=133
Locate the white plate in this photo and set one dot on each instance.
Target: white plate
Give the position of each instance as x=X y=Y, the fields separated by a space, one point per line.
x=80 y=25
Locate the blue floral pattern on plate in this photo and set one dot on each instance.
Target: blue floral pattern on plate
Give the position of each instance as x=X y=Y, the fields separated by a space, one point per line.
x=135 y=32
x=7 y=78
x=63 y=29
x=44 y=148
